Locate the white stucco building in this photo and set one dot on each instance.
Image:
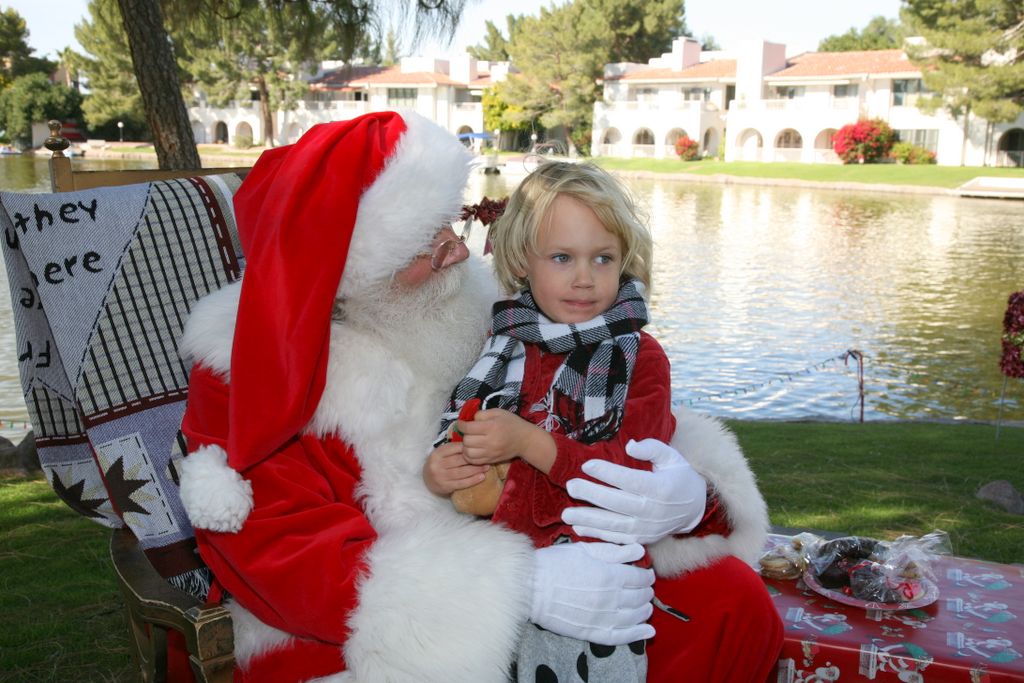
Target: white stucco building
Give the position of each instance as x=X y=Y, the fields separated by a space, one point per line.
x=759 y=105
x=446 y=91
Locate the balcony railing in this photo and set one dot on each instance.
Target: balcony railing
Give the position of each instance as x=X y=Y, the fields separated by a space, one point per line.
x=644 y=151
x=825 y=156
x=352 y=105
x=469 y=106
x=845 y=103
x=655 y=105
x=787 y=153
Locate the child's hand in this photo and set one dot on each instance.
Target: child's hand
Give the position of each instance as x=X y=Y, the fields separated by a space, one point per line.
x=446 y=470
x=499 y=436
x=494 y=436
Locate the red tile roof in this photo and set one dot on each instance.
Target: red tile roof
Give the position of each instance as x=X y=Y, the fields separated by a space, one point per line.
x=718 y=68
x=826 y=64
x=338 y=78
x=395 y=76
x=379 y=75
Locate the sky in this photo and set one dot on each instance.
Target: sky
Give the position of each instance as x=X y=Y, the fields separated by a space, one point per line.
x=799 y=24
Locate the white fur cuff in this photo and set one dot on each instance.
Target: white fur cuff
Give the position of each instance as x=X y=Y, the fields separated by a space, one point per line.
x=215 y=496
x=712 y=450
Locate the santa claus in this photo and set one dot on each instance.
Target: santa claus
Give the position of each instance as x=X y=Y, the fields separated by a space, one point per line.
x=315 y=392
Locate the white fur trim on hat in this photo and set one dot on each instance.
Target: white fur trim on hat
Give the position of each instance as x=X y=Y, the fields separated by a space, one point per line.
x=215 y=497
x=713 y=451
x=420 y=188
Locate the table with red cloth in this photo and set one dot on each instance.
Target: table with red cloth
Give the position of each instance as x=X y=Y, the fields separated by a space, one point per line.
x=973 y=632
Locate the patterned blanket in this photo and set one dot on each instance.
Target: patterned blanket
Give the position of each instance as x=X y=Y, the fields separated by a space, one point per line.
x=102 y=282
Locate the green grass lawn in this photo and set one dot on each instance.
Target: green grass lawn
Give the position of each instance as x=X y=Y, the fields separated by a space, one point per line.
x=887 y=479
x=890 y=174
x=61 y=613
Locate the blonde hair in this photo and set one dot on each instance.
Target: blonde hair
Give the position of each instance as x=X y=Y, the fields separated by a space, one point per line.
x=515 y=233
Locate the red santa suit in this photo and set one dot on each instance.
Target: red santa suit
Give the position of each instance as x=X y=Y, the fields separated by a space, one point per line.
x=309 y=424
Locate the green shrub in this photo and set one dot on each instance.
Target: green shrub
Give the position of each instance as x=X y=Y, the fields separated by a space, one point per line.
x=243 y=140
x=909 y=153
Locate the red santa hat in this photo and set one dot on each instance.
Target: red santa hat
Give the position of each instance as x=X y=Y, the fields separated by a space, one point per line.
x=340 y=211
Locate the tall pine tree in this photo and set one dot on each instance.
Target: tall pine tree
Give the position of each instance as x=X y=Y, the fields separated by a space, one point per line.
x=260 y=56
x=107 y=65
x=152 y=49
x=973 y=57
x=562 y=52
x=16 y=58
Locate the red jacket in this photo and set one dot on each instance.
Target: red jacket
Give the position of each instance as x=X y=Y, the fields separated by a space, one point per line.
x=532 y=502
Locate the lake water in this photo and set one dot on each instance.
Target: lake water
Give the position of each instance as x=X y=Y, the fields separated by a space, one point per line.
x=758 y=291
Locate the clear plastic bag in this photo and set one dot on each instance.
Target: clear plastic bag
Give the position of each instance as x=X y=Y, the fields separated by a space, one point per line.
x=885 y=572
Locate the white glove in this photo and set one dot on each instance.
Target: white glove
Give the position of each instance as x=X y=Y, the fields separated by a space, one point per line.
x=586 y=591
x=644 y=507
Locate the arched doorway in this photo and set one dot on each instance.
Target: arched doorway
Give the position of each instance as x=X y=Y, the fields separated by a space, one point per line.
x=670 y=141
x=674 y=135
x=243 y=134
x=750 y=144
x=220 y=133
x=1010 y=151
x=709 y=145
x=823 y=146
x=788 y=144
x=609 y=140
x=643 y=143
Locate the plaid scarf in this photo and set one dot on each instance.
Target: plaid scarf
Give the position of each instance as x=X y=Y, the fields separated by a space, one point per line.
x=588 y=392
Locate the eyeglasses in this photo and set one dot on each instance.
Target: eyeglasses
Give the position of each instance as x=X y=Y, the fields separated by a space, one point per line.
x=441 y=256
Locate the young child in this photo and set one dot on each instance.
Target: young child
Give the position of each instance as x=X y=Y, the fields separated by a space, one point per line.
x=567 y=376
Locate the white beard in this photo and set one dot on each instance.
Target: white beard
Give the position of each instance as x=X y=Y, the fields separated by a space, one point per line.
x=438 y=328
x=395 y=357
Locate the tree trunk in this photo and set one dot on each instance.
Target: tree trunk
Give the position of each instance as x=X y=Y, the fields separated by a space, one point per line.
x=967 y=130
x=265 y=114
x=157 y=74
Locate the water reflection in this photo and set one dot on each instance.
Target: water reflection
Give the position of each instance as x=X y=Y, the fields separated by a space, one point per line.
x=758 y=290
x=30 y=173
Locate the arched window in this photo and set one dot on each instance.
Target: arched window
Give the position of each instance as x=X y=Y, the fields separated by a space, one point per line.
x=789 y=139
x=824 y=139
x=674 y=135
x=1010 y=151
x=612 y=136
x=243 y=129
x=643 y=136
x=750 y=143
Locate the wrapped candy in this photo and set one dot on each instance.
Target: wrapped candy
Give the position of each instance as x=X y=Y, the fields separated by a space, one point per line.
x=864 y=569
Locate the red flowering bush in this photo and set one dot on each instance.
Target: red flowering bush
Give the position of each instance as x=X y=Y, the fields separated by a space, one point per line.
x=1012 y=361
x=687 y=149
x=864 y=142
